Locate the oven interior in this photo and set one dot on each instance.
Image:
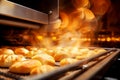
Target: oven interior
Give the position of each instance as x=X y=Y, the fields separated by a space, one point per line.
x=41 y=33
x=106 y=34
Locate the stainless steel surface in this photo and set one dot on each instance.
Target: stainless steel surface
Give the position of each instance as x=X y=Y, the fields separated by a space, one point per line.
x=11 y=9
x=19 y=24
x=53 y=10
x=93 y=72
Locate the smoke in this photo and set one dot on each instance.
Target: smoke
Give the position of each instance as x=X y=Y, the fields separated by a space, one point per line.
x=80 y=20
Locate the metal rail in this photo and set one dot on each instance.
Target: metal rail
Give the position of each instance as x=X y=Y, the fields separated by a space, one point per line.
x=53 y=75
x=14 y=10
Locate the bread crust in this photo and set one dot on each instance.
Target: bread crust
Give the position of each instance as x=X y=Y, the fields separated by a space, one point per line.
x=42 y=69
x=8 y=60
x=24 y=67
x=44 y=58
x=6 y=51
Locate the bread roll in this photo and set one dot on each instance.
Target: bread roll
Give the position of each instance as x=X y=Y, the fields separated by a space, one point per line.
x=43 y=49
x=8 y=60
x=22 y=51
x=50 y=52
x=59 y=55
x=42 y=69
x=86 y=55
x=99 y=50
x=73 y=51
x=31 y=48
x=6 y=51
x=83 y=54
x=44 y=59
x=24 y=67
x=91 y=53
x=81 y=57
x=79 y=52
x=33 y=53
x=67 y=61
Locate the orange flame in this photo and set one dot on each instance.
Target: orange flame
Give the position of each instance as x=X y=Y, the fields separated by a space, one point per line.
x=77 y=25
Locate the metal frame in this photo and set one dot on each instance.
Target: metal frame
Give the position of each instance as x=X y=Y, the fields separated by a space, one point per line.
x=11 y=9
x=23 y=16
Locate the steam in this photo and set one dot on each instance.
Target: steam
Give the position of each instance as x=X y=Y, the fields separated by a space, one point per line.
x=78 y=25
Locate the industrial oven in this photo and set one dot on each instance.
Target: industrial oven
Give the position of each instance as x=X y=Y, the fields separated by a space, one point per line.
x=67 y=25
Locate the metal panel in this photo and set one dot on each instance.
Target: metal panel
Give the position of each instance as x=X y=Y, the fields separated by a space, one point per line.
x=11 y=9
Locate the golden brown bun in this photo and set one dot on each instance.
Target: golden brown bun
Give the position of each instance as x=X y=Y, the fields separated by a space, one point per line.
x=81 y=57
x=22 y=51
x=33 y=53
x=67 y=61
x=24 y=67
x=25 y=52
x=79 y=52
x=50 y=52
x=8 y=60
x=6 y=51
x=59 y=55
x=43 y=49
x=44 y=58
x=31 y=48
x=42 y=69
x=86 y=55
x=99 y=50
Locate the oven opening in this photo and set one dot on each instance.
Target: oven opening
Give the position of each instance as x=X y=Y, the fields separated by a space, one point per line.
x=72 y=39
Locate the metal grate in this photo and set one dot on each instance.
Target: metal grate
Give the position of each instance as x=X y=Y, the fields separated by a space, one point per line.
x=82 y=70
x=88 y=69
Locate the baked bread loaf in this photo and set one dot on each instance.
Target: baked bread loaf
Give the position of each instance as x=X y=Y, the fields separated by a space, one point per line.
x=42 y=69
x=80 y=57
x=50 y=52
x=99 y=50
x=78 y=52
x=8 y=60
x=33 y=53
x=59 y=55
x=22 y=51
x=86 y=55
x=25 y=66
x=32 y=48
x=6 y=51
x=67 y=61
x=44 y=58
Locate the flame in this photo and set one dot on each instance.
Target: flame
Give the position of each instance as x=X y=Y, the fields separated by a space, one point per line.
x=100 y=7
x=81 y=3
x=65 y=20
x=77 y=26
